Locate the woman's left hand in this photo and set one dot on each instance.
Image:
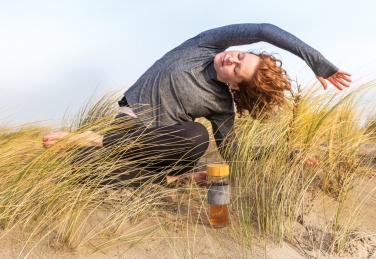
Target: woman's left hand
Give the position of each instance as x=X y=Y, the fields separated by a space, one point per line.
x=340 y=79
x=313 y=161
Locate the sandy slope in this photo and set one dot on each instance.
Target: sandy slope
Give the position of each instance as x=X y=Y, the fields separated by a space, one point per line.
x=200 y=242
x=176 y=239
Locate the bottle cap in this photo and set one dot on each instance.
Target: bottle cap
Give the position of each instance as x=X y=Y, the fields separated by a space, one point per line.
x=217 y=169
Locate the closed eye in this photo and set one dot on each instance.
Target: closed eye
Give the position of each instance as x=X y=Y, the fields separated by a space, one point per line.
x=237 y=67
x=236 y=70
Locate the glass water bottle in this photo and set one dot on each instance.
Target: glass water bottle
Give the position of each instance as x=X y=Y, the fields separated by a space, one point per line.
x=218 y=194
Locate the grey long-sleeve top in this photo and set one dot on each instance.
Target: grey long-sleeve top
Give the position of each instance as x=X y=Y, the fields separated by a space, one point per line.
x=182 y=85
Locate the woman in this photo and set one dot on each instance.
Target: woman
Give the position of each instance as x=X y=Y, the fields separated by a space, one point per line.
x=200 y=78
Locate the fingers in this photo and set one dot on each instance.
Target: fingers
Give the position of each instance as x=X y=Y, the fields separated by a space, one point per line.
x=344 y=73
x=323 y=82
x=342 y=76
x=340 y=80
x=313 y=161
x=335 y=83
x=343 y=79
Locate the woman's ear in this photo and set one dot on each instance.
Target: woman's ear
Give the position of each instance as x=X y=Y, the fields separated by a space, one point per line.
x=234 y=87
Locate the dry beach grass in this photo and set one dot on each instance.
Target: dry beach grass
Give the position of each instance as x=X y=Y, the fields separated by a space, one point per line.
x=51 y=207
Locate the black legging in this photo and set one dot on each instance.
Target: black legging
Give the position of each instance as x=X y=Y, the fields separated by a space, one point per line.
x=153 y=152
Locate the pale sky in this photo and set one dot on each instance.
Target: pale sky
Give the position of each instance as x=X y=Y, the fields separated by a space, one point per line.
x=54 y=54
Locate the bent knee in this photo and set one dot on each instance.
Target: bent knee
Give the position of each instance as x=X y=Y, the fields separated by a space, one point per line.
x=198 y=133
x=195 y=129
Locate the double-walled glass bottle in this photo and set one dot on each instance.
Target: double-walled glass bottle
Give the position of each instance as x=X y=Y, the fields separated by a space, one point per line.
x=218 y=194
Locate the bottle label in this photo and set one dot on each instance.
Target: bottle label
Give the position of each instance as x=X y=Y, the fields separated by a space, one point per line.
x=219 y=194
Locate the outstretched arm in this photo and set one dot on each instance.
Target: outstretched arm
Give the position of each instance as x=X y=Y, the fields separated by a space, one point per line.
x=240 y=34
x=248 y=33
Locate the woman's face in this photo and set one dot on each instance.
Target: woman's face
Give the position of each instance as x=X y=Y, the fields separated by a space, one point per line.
x=234 y=67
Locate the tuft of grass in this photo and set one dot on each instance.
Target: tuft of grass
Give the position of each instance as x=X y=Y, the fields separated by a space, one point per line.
x=53 y=195
x=370 y=127
x=273 y=190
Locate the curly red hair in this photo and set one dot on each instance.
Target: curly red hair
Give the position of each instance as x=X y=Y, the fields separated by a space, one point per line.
x=265 y=90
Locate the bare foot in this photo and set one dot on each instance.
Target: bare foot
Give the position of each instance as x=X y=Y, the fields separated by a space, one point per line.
x=86 y=139
x=171 y=179
x=52 y=138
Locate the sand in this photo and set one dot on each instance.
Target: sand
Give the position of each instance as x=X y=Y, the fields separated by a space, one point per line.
x=180 y=240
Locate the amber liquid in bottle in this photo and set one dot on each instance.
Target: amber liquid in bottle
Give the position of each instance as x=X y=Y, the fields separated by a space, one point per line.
x=218 y=215
x=218 y=194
